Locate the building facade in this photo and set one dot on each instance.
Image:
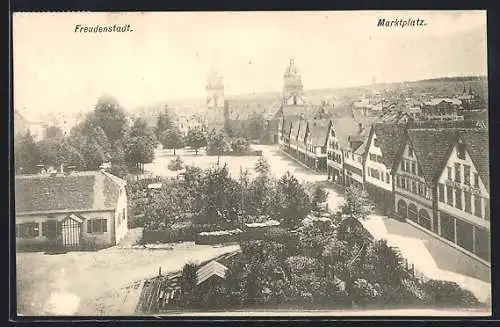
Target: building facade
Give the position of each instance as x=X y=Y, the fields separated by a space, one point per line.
x=382 y=151
x=72 y=211
x=463 y=194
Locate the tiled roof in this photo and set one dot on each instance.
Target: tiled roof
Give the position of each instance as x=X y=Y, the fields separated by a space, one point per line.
x=302 y=131
x=294 y=130
x=432 y=147
x=391 y=138
x=345 y=127
x=477 y=143
x=79 y=191
x=319 y=131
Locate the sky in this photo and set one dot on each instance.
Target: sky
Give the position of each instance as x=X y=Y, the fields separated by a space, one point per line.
x=168 y=56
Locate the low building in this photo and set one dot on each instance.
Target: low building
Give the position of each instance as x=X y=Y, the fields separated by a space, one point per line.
x=353 y=161
x=70 y=210
x=442 y=109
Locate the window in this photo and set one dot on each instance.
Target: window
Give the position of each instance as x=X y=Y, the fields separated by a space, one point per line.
x=410 y=151
x=458 y=199
x=382 y=177
x=387 y=178
x=379 y=159
x=467 y=204
x=123 y=214
x=477 y=206
x=97 y=226
x=476 y=180
x=375 y=142
x=448 y=227
x=458 y=175
x=449 y=172
x=419 y=170
x=414 y=187
x=449 y=195
x=398 y=182
x=441 y=193
x=333 y=133
x=461 y=150
x=403 y=182
x=403 y=165
x=466 y=175
x=373 y=157
x=407 y=166
x=27 y=230
x=413 y=168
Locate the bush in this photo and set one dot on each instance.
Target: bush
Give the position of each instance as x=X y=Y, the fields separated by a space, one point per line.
x=444 y=293
x=169 y=235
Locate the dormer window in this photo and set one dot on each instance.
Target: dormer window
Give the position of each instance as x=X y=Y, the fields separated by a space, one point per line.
x=461 y=150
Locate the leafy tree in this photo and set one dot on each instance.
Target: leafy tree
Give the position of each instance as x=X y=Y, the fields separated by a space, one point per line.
x=218 y=143
x=387 y=264
x=92 y=143
x=57 y=152
x=118 y=163
x=261 y=196
x=164 y=122
x=319 y=197
x=140 y=143
x=172 y=139
x=262 y=166
x=356 y=208
x=188 y=285
x=239 y=145
x=293 y=203
x=450 y=294
x=220 y=197
x=176 y=164
x=110 y=116
x=26 y=153
x=53 y=132
x=168 y=205
x=196 y=139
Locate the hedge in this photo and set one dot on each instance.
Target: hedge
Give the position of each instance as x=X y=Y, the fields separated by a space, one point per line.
x=168 y=236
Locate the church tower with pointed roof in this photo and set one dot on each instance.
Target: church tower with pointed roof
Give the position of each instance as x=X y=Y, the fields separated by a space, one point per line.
x=215 y=98
x=293 y=89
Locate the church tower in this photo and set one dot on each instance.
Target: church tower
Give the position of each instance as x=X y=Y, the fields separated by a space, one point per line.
x=215 y=98
x=293 y=90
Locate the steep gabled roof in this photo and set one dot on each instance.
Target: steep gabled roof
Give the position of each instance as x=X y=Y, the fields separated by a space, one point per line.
x=302 y=131
x=319 y=131
x=213 y=268
x=391 y=138
x=78 y=191
x=432 y=148
x=477 y=144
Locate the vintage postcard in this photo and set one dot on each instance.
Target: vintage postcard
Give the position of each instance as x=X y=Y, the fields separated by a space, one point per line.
x=251 y=163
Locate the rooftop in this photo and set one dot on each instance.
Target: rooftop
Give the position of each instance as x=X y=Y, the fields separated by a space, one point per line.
x=78 y=191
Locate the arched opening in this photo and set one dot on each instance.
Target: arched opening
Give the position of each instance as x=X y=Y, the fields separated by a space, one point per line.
x=424 y=219
x=412 y=212
x=402 y=209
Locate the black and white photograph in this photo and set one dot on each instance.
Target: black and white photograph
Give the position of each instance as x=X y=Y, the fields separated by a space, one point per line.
x=279 y=163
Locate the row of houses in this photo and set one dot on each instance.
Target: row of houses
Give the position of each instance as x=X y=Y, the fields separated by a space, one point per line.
x=433 y=175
